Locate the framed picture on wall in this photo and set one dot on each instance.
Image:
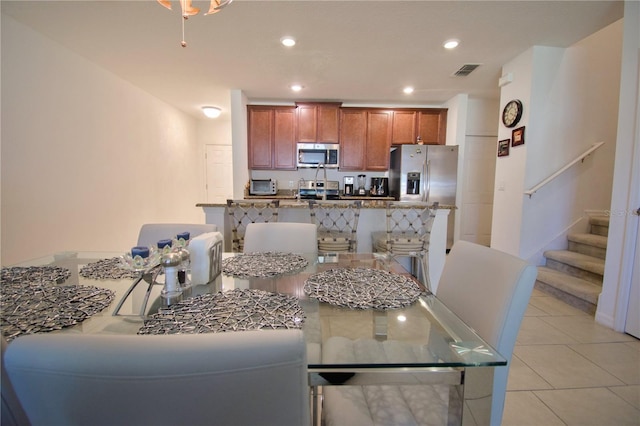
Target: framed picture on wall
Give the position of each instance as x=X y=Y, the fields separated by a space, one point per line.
x=517 y=136
x=503 y=147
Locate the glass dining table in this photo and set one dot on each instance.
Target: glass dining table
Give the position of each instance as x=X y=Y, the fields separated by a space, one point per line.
x=416 y=342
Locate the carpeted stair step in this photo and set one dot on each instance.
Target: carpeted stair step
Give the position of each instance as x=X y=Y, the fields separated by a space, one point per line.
x=577 y=264
x=589 y=244
x=574 y=286
x=599 y=225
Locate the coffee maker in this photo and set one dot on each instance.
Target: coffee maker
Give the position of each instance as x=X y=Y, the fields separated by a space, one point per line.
x=379 y=186
x=349 y=182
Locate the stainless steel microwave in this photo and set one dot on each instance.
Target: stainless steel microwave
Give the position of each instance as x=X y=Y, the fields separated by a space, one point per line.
x=316 y=154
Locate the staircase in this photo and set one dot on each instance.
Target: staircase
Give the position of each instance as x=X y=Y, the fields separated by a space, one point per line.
x=575 y=275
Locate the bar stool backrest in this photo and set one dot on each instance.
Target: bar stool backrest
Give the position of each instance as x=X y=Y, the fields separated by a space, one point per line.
x=410 y=219
x=243 y=212
x=338 y=218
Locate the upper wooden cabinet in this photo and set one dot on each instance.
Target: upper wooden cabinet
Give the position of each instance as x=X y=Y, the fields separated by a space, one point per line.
x=364 y=134
x=427 y=125
x=378 y=147
x=365 y=139
x=404 y=127
x=353 y=136
x=271 y=134
x=432 y=126
x=318 y=122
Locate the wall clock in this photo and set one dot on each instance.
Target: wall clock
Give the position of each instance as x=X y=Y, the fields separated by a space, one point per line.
x=512 y=113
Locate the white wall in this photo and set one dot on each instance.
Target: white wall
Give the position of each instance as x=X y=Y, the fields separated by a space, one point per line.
x=570 y=102
x=86 y=156
x=457 y=110
x=510 y=170
x=479 y=168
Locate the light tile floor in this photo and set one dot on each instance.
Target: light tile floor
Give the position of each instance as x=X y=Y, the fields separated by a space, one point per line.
x=569 y=370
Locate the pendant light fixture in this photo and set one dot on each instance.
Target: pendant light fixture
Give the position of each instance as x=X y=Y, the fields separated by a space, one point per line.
x=189 y=10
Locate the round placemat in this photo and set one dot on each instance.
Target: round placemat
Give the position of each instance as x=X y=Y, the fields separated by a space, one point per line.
x=362 y=288
x=31 y=302
x=235 y=310
x=263 y=265
x=107 y=269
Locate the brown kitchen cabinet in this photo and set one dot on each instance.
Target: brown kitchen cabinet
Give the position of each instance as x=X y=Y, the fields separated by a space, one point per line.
x=353 y=135
x=271 y=137
x=429 y=125
x=432 y=126
x=404 y=127
x=318 y=122
x=365 y=139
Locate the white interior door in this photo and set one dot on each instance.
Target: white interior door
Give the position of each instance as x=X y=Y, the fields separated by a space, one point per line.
x=477 y=189
x=219 y=173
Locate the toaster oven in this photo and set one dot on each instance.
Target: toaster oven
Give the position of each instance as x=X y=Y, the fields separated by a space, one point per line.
x=263 y=187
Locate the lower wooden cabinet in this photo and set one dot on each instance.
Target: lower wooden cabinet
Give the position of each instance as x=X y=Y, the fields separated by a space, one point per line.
x=272 y=133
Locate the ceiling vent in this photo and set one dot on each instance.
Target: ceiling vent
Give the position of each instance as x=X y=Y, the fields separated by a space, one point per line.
x=465 y=70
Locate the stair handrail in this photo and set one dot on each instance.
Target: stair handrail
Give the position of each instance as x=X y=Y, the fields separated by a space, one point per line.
x=579 y=158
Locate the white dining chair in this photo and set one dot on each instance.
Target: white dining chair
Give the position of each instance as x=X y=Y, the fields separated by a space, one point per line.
x=233 y=378
x=486 y=288
x=12 y=412
x=151 y=233
x=489 y=290
x=289 y=237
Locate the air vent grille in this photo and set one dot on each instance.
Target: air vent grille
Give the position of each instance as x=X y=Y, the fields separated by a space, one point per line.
x=466 y=69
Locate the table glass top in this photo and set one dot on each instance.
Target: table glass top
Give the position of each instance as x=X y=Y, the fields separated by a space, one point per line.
x=424 y=334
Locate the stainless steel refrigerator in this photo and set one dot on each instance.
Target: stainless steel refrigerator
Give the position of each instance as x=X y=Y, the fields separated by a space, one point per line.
x=425 y=173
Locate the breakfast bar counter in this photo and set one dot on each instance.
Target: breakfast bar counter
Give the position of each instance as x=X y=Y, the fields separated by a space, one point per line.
x=372 y=219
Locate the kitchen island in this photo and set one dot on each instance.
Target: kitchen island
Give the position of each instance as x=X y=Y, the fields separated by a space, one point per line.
x=372 y=219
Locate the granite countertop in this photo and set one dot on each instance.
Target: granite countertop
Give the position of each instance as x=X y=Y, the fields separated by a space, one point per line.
x=290 y=202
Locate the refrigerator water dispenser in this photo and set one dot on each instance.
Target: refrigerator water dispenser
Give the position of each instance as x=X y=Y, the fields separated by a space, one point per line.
x=413 y=183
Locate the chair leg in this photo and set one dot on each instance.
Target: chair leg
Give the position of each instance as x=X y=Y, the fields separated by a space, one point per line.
x=424 y=268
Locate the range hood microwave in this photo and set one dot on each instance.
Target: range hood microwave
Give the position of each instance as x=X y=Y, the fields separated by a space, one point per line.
x=313 y=155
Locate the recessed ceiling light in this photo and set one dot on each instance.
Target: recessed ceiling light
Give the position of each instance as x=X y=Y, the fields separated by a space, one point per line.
x=451 y=44
x=296 y=87
x=408 y=90
x=288 y=41
x=211 y=112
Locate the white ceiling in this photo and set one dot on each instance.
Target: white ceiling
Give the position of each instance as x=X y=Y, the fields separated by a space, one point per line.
x=357 y=52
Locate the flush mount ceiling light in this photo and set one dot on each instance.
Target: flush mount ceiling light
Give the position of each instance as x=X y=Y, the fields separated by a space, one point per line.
x=288 y=41
x=408 y=90
x=211 y=112
x=189 y=10
x=296 y=87
x=451 y=44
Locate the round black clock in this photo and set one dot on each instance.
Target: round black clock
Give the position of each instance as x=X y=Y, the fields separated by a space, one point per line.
x=512 y=113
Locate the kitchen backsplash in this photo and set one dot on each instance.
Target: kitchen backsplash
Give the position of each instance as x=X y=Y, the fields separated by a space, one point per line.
x=284 y=178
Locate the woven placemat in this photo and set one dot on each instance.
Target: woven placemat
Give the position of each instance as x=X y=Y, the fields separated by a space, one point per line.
x=108 y=269
x=31 y=302
x=362 y=288
x=235 y=310
x=263 y=265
